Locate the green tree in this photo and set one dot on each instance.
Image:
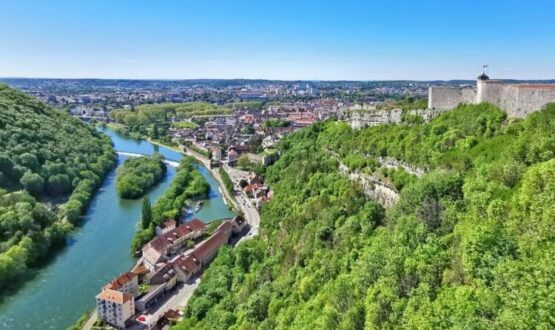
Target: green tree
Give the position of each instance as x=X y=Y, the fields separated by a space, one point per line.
x=54 y=157
x=243 y=161
x=146 y=213
x=32 y=182
x=155 y=133
x=58 y=184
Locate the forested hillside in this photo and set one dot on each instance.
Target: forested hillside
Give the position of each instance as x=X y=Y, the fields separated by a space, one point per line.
x=469 y=245
x=50 y=165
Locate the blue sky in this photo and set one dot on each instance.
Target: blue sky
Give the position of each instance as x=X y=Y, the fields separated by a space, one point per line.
x=324 y=40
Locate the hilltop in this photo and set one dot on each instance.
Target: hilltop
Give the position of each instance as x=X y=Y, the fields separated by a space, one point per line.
x=467 y=244
x=50 y=166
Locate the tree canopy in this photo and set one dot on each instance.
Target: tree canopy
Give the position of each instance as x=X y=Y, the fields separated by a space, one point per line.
x=50 y=165
x=138 y=174
x=468 y=245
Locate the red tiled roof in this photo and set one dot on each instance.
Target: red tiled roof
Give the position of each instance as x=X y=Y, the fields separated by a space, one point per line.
x=252 y=187
x=225 y=227
x=168 y=223
x=187 y=264
x=114 y=296
x=172 y=314
x=195 y=224
x=121 y=280
x=214 y=242
x=140 y=269
x=164 y=241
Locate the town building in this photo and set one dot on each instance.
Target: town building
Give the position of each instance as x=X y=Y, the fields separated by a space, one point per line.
x=127 y=283
x=162 y=247
x=232 y=157
x=115 y=307
x=117 y=301
x=165 y=227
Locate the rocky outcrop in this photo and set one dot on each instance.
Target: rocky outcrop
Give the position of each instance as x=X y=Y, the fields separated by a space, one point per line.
x=389 y=162
x=366 y=116
x=373 y=187
x=372 y=117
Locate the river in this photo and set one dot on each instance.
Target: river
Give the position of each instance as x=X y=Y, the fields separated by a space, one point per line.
x=64 y=289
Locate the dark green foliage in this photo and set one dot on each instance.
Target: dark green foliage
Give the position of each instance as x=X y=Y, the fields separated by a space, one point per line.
x=203 y=152
x=45 y=156
x=188 y=183
x=357 y=162
x=227 y=181
x=138 y=174
x=32 y=182
x=155 y=134
x=398 y=177
x=276 y=123
x=468 y=246
x=146 y=213
x=408 y=103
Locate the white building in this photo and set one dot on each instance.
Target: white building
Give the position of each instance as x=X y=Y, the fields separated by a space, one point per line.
x=115 y=307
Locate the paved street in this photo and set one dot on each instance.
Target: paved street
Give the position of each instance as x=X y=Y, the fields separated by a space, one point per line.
x=251 y=213
x=240 y=200
x=177 y=300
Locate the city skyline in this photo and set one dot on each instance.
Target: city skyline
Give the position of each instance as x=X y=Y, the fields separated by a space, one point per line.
x=285 y=41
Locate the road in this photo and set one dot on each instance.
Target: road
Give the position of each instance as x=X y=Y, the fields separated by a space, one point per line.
x=242 y=201
x=90 y=322
x=178 y=300
x=251 y=213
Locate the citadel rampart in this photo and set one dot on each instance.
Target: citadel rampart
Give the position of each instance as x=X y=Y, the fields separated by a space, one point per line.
x=517 y=100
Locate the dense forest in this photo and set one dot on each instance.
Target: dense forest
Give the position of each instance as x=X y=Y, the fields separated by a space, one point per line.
x=138 y=174
x=188 y=183
x=50 y=166
x=469 y=245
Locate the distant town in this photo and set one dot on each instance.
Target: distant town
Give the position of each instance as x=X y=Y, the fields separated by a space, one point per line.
x=236 y=121
x=233 y=128
x=239 y=121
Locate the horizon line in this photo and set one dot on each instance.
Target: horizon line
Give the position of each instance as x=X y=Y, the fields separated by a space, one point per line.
x=269 y=79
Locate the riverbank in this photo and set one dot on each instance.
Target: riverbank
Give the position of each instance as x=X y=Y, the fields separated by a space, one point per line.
x=206 y=163
x=57 y=295
x=161 y=144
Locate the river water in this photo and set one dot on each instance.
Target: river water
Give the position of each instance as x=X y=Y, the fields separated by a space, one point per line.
x=63 y=290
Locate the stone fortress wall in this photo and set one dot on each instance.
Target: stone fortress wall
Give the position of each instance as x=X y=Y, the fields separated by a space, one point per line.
x=517 y=100
x=361 y=116
x=446 y=98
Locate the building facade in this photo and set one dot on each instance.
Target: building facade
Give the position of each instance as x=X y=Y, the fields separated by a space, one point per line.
x=115 y=307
